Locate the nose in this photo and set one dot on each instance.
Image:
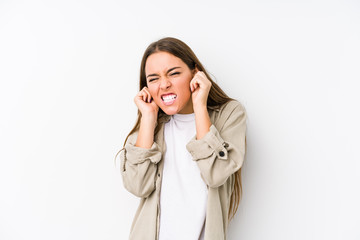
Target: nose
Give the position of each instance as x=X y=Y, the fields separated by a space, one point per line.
x=165 y=83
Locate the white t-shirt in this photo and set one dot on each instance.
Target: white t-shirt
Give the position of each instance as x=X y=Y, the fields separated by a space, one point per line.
x=183 y=194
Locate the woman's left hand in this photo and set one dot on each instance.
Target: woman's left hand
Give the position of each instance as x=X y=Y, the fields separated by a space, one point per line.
x=200 y=87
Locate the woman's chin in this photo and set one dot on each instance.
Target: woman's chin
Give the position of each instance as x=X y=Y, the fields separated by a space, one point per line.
x=169 y=111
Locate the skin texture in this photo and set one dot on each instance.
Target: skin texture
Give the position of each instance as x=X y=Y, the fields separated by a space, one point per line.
x=169 y=74
x=163 y=82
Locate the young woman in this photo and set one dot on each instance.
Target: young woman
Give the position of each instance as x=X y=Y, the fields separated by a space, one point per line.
x=184 y=155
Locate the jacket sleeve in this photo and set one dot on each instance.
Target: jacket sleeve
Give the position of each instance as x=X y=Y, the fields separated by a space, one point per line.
x=139 y=167
x=221 y=152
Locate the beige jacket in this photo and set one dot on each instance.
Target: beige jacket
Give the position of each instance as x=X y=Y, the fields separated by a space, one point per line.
x=219 y=154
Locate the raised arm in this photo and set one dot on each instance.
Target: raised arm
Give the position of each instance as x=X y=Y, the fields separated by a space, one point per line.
x=141 y=154
x=220 y=153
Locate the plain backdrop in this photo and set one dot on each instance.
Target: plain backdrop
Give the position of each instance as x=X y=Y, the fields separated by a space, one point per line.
x=69 y=72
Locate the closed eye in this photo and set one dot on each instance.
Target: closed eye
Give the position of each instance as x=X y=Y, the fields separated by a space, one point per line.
x=172 y=74
x=150 y=80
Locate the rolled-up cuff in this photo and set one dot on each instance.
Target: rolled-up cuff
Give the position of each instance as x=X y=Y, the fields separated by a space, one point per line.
x=136 y=155
x=206 y=146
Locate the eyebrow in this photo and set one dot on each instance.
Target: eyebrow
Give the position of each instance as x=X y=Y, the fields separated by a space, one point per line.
x=154 y=74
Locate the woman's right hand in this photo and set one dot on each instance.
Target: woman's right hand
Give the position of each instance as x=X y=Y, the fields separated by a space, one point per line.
x=146 y=104
x=149 y=111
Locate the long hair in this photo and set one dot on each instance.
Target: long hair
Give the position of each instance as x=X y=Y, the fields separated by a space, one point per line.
x=216 y=97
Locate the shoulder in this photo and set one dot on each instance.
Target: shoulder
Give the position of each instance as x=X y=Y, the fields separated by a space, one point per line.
x=232 y=111
x=231 y=106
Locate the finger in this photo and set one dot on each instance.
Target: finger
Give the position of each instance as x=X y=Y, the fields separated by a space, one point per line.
x=140 y=95
x=148 y=94
x=196 y=85
x=201 y=76
x=196 y=82
x=143 y=96
x=202 y=80
x=192 y=87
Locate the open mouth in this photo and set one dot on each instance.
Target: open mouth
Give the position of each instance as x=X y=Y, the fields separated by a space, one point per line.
x=168 y=99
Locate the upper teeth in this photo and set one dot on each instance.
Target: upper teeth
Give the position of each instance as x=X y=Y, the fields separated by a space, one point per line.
x=169 y=97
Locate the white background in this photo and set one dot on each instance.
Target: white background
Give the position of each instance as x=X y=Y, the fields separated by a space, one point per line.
x=69 y=71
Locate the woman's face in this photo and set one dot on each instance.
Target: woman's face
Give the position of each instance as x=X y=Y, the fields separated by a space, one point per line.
x=168 y=80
